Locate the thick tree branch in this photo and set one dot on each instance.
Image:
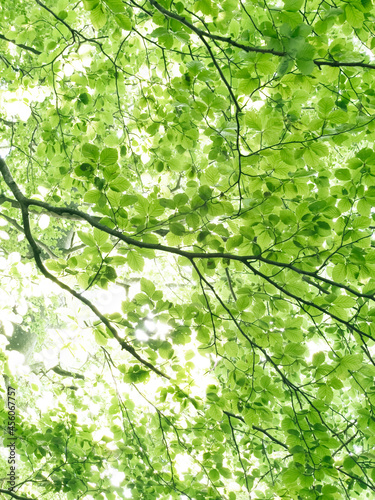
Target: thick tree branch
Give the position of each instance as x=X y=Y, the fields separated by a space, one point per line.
x=226 y=39
x=24 y=203
x=66 y=373
x=14 y=495
x=202 y=33
x=15 y=204
x=94 y=221
x=314 y=275
x=74 y=214
x=21 y=45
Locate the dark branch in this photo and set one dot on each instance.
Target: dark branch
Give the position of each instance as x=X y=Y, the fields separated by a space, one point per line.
x=24 y=203
x=14 y=495
x=21 y=45
x=256 y=428
x=226 y=39
x=66 y=373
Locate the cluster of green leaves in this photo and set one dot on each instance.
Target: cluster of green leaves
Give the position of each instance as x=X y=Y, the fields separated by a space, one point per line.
x=215 y=160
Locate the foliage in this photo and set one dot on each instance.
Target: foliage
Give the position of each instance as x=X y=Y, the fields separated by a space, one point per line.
x=187 y=194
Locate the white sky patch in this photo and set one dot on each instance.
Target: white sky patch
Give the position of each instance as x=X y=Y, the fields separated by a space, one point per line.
x=44 y=221
x=85 y=53
x=184 y=463
x=16 y=108
x=103 y=431
x=127 y=493
x=257 y=105
x=117 y=477
x=141 y=335
x=43 y=191
x=315 y=346
x=50 y=357
x=46 y=401
x=109 y=301
x=144 y=72
x=4 y=235
x=16 y=364
x=17 y=103
x=74 y=355
x=68 y=70
x=145 y=157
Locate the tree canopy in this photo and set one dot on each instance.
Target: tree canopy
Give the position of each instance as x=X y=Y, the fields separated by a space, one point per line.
x=186 y=248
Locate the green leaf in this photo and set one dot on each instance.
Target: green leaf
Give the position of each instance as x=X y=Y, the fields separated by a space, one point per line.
x=293 y=334
x=90 y=4
x=124 y=22
x=325 y=392
x=243 y=302
x=98 y=17
x=290 y=476
x=361 y=222
x=345 y=301
x=85 y=170
x=364 y=208
x=108 y=156
x=135 y=261
x=214 y=475
x=325 y=106
x=100 y=237
x=84 y=97
x=351 y=362
x=318 y=358
x=86 y=238
x=120 y=184
x=116 y=6
x=203 y=335
x=343 y=174
x=177 y=228
x=354 y=16
x=215 y=413
x=295 y=350
x=349 y=463
x=100 y=339
x=92 y=196
x=293 y=5
x=90 y=151
x=339 y=273
x=306 y=67
x=148 y=287
x=194 y=67
x=231 y=348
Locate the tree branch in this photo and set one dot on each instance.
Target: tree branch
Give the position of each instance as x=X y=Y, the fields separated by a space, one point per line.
x=226 y=39
x=21 y=45
x=24 y=203
x=14 y=495
x=256 y=428
x=230 y=284
x=202 y=33
x=21 y=230
x=74 y=214
x=66 y=373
